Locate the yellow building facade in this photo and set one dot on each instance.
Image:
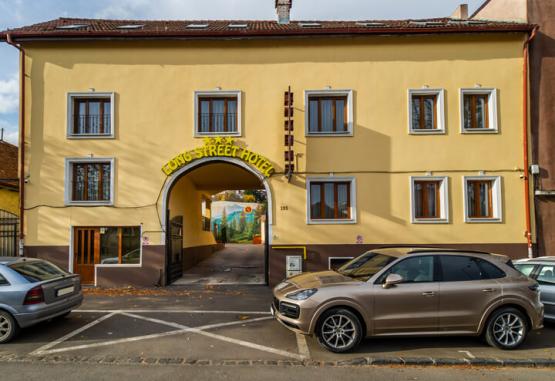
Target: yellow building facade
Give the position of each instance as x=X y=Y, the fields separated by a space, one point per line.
x=412 y=161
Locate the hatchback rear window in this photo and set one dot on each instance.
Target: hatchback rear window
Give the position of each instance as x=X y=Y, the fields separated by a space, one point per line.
x=37 y=271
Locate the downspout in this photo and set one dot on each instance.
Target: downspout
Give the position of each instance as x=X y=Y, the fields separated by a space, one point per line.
x=21 y=144
x=528 y=232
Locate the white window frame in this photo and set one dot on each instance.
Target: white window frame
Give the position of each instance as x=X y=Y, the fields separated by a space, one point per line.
x=350 y=112
x=439 y=112
x=216 y=94
x=443 y=200
x=353 y=208
x=91 y=94
x=496 y=195
x=492 y=110
x=68 y=180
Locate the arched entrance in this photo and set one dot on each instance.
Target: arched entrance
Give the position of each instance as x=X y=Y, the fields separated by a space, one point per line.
x=228 y=245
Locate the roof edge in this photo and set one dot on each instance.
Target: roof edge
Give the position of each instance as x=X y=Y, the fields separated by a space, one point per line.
x=329 y=32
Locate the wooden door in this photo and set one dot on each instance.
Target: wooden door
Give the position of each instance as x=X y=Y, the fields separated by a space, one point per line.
x=174 y=269
x=86 y=253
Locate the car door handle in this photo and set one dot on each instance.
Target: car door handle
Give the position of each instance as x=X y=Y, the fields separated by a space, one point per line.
x=488 y=290
x=428 y=293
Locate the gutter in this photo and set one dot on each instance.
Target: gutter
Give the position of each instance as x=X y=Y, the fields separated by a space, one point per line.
x=21 y=143
x=265 y=33
x=525 y=115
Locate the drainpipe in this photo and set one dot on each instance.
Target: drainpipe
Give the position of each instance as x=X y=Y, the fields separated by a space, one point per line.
x=528 y=232
x=21 y=143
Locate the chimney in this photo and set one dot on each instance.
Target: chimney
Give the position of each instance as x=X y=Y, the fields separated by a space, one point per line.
x=283 y=9
x=461 y=12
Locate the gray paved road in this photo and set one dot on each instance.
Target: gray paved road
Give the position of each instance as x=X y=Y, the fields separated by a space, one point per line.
x=215 y=324
x=62 y=372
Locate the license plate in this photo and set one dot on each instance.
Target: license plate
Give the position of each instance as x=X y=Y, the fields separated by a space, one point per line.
x=65 y=291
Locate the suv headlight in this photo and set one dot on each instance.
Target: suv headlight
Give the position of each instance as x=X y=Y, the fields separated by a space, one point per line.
x=302 y=294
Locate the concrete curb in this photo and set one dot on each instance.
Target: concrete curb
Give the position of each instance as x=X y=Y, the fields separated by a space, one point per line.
x=361 y=361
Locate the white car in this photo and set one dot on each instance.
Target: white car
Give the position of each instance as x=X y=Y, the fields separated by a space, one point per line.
x=541 y=269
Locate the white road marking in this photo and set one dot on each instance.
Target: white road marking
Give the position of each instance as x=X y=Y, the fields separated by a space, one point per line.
x=201 y=331
x=302 y=346
x=71 y=334
x=183 y=329
x=202 y=327
x=106 y=343
x=178 y=312
x=468 y=354
x=251 y=345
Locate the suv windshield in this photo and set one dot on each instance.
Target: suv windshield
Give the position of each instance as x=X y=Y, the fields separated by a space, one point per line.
x=366 y=265
x=37 y=271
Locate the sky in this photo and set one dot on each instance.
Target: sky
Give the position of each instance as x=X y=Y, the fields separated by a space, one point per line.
x=16 y=13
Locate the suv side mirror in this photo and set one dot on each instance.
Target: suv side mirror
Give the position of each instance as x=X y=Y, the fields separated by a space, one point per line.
x=392 y=279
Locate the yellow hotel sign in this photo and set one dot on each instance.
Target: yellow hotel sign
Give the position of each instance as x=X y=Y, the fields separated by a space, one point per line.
x=220 y=147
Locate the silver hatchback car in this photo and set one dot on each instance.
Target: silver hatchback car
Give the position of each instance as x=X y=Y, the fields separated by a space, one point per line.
x=542 y=269
x=32 y=291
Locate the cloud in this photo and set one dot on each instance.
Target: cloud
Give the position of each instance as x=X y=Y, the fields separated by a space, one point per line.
x=9 y=94
x=11 y=133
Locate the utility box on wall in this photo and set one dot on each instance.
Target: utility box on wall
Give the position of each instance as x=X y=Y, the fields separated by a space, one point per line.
x=293 y=265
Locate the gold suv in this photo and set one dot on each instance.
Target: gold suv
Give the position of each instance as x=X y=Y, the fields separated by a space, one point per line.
x=412 y=291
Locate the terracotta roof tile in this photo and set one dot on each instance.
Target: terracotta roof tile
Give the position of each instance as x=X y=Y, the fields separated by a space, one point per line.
x=98 y=28
x=8 y=164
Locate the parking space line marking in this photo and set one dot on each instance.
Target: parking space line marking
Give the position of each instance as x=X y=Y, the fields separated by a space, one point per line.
x=468 y=354
x=112 y=342
x=251 y=345
x=201 y=331
x=45 y=347
x=180 y=311
x=185 y=329
x=202 y=327
x=302 y=345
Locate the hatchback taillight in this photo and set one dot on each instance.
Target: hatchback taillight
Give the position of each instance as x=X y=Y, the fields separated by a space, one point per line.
x=34 y=296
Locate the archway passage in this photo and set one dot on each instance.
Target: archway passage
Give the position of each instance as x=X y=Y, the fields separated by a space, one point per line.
x=216 y=223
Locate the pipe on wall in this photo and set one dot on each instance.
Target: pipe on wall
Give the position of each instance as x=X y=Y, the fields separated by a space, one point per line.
x=525 y=81
x=21 y=143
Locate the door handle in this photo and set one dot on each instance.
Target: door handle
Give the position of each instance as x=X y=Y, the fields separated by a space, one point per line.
x=488 y=290
x=428 y=293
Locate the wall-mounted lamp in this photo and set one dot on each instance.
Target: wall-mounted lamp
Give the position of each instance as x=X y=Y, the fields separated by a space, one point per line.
x=477 y=85
x=481 y=173
x=429 y=173
x=328 y=87
x=92 y=89
x=425 y=86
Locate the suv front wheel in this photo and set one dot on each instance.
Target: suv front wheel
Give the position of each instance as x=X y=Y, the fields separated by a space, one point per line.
x=507 y=328
x=339 y=330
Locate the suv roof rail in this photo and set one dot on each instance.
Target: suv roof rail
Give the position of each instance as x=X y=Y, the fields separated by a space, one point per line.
x=447 y=250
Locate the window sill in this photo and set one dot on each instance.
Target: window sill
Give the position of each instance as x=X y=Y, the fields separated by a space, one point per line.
x=329 y=134
x=427 y=132
x=205 y=134
x=480 y=131
x=331 y=222
x=81 y=137
x=90 y=203
x=494 y=220
x=430 y=221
